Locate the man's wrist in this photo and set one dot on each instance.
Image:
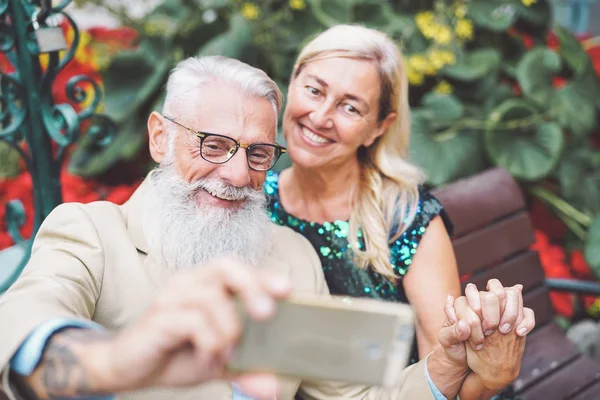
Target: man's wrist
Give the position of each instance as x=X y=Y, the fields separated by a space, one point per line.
x=446 y=374
x=102 y=377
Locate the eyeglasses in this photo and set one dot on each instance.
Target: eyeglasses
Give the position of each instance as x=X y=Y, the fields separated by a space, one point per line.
x=218 y=149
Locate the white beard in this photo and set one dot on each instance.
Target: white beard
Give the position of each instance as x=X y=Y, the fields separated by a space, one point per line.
x=182 y=234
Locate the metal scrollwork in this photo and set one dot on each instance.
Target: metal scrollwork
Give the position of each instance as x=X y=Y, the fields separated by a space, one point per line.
x=30 y=121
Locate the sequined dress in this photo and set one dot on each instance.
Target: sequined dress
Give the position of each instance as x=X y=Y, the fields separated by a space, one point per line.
x=330 y=240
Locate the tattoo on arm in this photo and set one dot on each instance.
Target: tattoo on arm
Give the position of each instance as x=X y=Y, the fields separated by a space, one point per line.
x=61 y=372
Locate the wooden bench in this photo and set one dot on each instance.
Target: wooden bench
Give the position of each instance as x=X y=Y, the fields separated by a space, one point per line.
x=492 y=239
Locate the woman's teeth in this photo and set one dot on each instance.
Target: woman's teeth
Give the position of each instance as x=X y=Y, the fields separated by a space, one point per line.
x=313 y=136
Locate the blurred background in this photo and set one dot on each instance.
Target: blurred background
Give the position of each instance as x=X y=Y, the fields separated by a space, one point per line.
x=511 y=83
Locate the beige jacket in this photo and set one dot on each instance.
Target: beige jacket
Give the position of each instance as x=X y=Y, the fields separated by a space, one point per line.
x=91 y=262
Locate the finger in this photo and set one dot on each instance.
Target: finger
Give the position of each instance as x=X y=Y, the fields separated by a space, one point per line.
x=258 y=386
x=256 y=289
x=520 y=316
x=182 y=327
x=528 y=323
x=455 y=334
x=473 y=299
x=511 y=312
x=449 y=311
x=490 y=310
x=221 y=312
x=496 y=287
x=463 y=311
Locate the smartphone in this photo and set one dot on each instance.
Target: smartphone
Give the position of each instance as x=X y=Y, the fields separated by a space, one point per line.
x=341 y=339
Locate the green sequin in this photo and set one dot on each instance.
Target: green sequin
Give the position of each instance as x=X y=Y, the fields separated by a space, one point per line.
x=330 y=239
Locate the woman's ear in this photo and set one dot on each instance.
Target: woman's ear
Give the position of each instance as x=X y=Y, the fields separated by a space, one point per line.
x=382 y=127
x=158 y=140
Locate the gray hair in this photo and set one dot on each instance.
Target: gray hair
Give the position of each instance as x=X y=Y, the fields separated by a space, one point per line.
x=190 y=74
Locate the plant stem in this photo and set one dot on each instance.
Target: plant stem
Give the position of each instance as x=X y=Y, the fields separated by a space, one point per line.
x=577 y=229
x=517 y=123
x=561 y=205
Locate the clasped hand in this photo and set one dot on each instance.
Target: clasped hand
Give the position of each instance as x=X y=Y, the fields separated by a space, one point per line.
x=490 y=332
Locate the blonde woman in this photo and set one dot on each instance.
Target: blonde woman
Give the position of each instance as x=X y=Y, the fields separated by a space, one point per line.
x=351 y=191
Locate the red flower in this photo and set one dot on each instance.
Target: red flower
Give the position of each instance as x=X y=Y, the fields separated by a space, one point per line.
x=579 y=266
x=121 y=194
x=123 y=37
x=553 y=262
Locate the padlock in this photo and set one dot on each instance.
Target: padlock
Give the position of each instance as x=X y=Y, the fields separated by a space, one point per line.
x=49 y=38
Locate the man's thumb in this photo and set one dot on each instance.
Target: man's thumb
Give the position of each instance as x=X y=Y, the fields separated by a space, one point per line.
x=454 y=334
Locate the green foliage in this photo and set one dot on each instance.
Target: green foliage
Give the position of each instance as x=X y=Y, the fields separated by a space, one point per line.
x=487 y=87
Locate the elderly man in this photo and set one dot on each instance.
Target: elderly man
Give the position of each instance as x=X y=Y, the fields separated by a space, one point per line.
x=134 y=300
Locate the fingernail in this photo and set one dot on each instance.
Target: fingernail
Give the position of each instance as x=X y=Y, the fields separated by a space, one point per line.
x=520 y=287
x=505 y=328
x=449 y=298
x=479 y=347
x=522 y=331
x=488 y=333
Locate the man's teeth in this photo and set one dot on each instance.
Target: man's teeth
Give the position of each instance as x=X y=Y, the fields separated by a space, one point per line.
x=313 y=136
x=223 y=196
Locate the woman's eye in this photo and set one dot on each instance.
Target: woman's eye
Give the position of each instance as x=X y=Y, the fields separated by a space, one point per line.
x=312 y=90
x=351 y=109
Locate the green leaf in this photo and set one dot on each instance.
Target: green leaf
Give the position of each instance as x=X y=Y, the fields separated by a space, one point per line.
x=534 y=74
x=474 y=65
x=492 y=15
x=571 y=50
x=372 y=13
x=527 y=152
x=132 y=77
x=574 y=109
x=444 y=157
x=231 y=43
x=444 y=108
x=332 y=12
x=536 y=17
x=579 y=177
x=496 y=96
x=591 y=250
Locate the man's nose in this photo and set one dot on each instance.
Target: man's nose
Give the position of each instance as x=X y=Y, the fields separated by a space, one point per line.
x=321 y=117
x=236 y=171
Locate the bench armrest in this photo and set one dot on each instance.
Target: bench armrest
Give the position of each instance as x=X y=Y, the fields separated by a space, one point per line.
x=573 y=285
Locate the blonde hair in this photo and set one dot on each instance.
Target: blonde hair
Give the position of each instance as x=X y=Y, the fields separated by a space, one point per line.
x=386 y=201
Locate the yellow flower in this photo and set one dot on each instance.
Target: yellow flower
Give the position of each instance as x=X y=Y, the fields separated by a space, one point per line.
x=436 y=60
x=424 y=18
x=528 y=2
x=443 y=88
x=464 y=29
x=425 y=22
x=414 y=77
x=419 y=63
x=297 y=4
x=250 y=11
x=444 y=35
x=460 y=11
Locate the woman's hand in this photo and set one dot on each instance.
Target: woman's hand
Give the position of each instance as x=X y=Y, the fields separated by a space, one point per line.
x=498 y=323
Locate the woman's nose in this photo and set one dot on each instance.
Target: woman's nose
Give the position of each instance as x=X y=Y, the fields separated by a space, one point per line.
x=321 y=117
